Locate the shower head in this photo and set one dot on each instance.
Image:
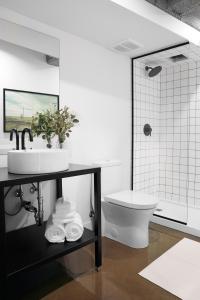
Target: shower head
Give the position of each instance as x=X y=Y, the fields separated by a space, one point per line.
x=153 y=71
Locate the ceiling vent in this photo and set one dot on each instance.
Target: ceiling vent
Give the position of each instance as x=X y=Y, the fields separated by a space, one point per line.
x=177 y=58
x=126 y=46
x=53 y=61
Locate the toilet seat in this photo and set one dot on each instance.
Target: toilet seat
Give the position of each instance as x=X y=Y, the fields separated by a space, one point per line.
x=131 y=199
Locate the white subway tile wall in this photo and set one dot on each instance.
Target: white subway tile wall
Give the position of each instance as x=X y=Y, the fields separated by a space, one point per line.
x=180 y=135
x=146 y=148
x=168 y=162
x=174 y=134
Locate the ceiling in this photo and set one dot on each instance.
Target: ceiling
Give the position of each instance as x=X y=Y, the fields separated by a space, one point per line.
x=187 y=11
x=190 y=51
x=99 y=21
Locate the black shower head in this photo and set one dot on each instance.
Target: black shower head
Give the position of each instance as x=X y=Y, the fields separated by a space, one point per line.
x=153 y=71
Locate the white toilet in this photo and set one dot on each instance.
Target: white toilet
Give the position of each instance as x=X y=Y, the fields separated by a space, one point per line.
x=125 y=214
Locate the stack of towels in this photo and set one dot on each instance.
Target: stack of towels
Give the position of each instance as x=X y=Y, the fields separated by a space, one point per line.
x=64 y=224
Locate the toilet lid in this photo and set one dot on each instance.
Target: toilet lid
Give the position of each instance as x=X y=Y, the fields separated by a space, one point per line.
x=131 y=199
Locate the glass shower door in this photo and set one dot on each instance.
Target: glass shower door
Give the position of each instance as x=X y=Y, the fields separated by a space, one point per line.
x=161 y=160
x=174 y=147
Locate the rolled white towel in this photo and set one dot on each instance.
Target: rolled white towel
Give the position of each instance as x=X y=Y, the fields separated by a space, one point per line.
x=54 y=233
x=74 y=230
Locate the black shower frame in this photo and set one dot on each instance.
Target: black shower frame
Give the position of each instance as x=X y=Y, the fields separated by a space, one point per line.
x=132 y=114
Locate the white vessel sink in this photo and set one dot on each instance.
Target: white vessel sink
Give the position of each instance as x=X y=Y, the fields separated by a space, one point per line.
x=37 y=161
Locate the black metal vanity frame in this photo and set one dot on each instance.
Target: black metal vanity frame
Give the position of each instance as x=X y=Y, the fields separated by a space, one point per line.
x=27 y=248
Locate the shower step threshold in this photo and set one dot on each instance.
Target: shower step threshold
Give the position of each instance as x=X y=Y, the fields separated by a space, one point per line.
x=170 y=219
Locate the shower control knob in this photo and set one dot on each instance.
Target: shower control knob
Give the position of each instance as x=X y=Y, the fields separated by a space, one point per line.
x=147 y=130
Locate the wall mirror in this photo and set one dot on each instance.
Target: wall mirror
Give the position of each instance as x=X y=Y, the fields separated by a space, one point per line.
x=29 y=83
x=29 y=75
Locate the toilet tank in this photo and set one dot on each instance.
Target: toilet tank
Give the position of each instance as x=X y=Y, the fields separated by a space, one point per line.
x=111 y=176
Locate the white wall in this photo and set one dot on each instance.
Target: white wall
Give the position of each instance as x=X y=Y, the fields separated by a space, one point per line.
x=95 y=83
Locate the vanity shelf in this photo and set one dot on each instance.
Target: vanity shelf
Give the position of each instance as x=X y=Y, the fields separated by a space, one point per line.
x=27 y=248
x=30 y=240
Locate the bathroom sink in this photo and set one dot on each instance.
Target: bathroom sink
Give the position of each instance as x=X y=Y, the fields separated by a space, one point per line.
x=37 y=161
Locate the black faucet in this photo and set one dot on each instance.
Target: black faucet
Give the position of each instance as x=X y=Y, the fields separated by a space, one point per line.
x=23 y=137
x=17 y=137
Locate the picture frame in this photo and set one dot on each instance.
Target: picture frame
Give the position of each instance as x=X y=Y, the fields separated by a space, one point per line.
x=19 y=106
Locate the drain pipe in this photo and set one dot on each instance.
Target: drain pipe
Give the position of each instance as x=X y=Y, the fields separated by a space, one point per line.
x=40 y=213
x=27 y=205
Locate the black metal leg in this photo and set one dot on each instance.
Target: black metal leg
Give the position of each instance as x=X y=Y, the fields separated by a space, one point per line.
x=97 y=220
x=58 y=188
x=3 y=246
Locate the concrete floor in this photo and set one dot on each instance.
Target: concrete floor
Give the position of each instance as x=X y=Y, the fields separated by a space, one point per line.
x=118 y=278
x=74 y=277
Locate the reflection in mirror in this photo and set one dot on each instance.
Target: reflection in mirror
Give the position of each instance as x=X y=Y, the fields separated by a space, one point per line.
x=29 y=83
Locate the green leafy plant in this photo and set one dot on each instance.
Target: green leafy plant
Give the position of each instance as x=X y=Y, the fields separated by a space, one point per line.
x=64 y=120
x=42 y=123
x=50 y=124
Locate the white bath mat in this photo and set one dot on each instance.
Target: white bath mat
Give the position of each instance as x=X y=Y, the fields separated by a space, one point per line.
x=177 y=270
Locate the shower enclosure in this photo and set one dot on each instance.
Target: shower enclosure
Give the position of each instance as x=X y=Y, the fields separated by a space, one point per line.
x=166 y=133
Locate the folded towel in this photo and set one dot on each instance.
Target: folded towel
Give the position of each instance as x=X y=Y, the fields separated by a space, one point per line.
x=64 y=218
x=54 y=233
x=63 y=202
x=74 y=230
x=65 y=222
x=64 y=215
x=64 y=206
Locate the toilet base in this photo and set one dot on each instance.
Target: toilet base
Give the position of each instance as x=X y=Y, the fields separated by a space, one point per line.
x=120 y=235
x=127 y=226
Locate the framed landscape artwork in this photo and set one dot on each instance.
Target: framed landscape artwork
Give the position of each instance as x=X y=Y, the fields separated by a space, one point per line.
x=20 y=106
